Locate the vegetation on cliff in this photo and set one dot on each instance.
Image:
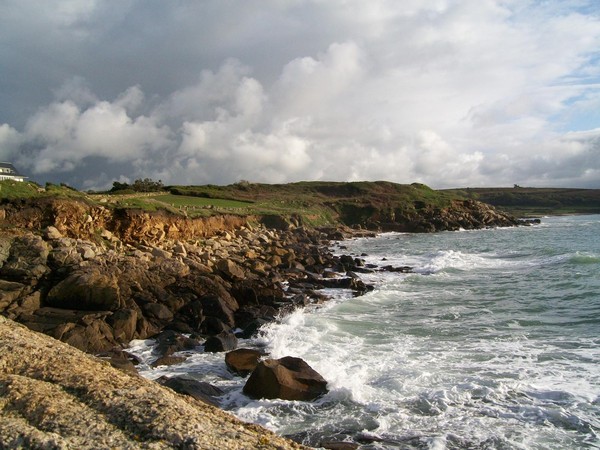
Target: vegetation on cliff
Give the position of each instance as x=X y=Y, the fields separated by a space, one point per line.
x=371 y=205
x=524 y=201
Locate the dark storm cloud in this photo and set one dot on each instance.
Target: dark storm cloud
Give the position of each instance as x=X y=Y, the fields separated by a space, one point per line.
x=443 y=92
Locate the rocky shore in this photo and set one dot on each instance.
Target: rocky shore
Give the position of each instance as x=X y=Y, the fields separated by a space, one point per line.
x=53 y=396
x=96 y=279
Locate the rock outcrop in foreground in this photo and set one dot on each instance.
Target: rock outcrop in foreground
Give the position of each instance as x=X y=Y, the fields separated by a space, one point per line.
x=54 y=396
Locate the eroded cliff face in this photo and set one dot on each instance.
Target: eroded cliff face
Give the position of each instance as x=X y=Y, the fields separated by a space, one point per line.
x=80 y=220
x=420 y=217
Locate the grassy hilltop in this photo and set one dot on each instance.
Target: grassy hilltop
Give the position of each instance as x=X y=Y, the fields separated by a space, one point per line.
x=524 y=201
x=319 y=203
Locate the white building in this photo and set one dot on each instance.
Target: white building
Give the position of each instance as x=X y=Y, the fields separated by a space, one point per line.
x=8 y=172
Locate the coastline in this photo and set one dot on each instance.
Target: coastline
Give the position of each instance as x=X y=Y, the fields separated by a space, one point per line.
x=151 y=274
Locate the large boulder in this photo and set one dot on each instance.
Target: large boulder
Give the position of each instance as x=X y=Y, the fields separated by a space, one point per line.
x=90 y=290
x=286 y=378
x=27 y=259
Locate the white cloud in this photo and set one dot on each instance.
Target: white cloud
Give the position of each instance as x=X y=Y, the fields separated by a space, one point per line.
x=476 y=92
x=10 y=139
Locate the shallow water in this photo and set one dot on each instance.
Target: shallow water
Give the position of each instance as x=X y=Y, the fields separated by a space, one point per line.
x=493 y=342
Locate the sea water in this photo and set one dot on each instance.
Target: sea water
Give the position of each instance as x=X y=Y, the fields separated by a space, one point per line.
x=492 y=343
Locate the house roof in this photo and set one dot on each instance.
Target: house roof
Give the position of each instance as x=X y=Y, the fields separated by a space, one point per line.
x=5 y=165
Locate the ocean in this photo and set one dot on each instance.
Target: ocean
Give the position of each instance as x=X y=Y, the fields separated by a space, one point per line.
x=492 y=343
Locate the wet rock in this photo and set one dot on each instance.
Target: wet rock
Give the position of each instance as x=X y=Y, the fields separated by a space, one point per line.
x=168 y=361
x=222 y=342
x=205 y=392
x=169 y=342
x=120 y=360
x=339 y=445
x=286 y=378
x=223 y=308
x=243 y=360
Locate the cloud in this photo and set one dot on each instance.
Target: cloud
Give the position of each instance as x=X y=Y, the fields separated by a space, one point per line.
x=65 y=134
x=477 y=92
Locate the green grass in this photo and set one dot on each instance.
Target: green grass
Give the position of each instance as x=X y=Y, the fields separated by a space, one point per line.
x=199 y=202
x=10 y=189
x=523 y=201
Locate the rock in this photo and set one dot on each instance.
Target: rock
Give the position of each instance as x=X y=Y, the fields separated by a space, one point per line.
x=339 y=445
x=158 y=311
x=51 y=233
x=86 y=252
x=205 y=392
x=212 y=326
x=119 y=360
x=123 y=322
x=169 y=342
x=221 y=307
x=90 y=290
x=93 y=337
x=160 y=253
x=27 y=259
x=243 y=360
x=231 y=269
x=192 y=314
x=222 y=342
x=168 y=361
x=54 y=396
x=286 y=378
x=9 y=292
x=105 y=234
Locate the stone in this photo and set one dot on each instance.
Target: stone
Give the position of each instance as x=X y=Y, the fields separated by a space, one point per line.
x=287 y=378
x=169 y=342
x=120 y=360
x=9 y=292
x=94 y=337
x=212 y=326
x=51 y=233
x=168 y=361
x=205 y=392
x=222 y=308
x=231 y=269
x=338 y=445
x=160 y=253
x=158 y=311
x=27 y=259
x=86 y=252
x=105 y=234
x=243 y=360
x=222 y=342
x=123 y=322
x=179 y=249
x=90 y=290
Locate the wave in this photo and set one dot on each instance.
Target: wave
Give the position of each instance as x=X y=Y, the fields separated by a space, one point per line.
x=583 y=258
x=448 y=260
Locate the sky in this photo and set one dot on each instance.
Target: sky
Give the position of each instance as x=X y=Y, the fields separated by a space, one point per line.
x=450 y=93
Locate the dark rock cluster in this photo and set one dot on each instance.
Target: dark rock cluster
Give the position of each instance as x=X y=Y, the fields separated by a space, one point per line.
x=96 y=298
